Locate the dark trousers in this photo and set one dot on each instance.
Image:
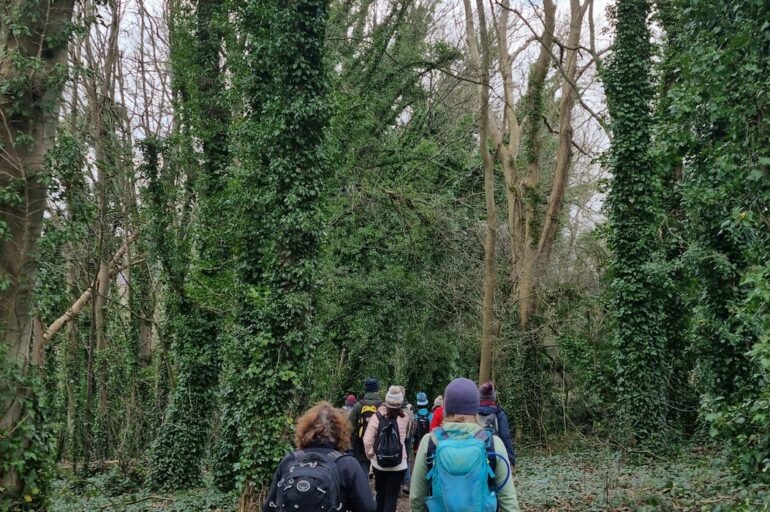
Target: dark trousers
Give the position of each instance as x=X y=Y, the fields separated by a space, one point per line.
x=365 y=466
x=387 y=485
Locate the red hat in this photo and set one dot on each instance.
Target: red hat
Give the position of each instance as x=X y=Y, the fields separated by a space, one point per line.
x=350 y=400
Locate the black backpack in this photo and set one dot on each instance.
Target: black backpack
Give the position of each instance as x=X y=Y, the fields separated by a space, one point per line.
x=387 y=444
x=310 y=483
x=423 y=427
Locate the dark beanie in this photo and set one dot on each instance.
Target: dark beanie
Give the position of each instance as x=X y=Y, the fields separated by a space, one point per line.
x=371 y=385
x=461 y=397
x=487 y=392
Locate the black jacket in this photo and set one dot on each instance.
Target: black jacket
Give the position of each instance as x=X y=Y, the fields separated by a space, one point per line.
x=355 y=490
x=371 y=398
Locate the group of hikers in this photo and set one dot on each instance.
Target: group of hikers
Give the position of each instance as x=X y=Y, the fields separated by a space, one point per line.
x=456 y=456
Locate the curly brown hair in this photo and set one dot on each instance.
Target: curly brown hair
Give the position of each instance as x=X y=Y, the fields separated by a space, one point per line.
x=323 y=423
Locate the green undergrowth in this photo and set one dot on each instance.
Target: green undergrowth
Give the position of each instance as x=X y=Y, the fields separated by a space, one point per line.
x=112 y=492
x=589 y=480
x=606 y=480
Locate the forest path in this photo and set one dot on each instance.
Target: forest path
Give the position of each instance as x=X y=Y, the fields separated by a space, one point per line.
x=590 y=480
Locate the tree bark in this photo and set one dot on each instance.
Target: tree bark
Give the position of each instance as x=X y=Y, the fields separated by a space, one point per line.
x=100 y=89
x=84 y=298
x=28 y=125
x=527 y=249
x=480 y=62
x=564 y=154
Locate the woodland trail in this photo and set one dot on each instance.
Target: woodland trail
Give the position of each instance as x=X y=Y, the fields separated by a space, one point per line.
x=590 y=480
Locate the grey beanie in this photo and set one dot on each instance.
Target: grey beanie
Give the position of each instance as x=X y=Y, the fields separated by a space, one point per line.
x=461 y=397
x=395 y=398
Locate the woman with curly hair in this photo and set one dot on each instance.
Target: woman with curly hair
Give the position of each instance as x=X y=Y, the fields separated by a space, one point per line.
x=319 y=474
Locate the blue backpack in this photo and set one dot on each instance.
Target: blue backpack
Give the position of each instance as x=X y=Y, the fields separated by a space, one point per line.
x=461 y=472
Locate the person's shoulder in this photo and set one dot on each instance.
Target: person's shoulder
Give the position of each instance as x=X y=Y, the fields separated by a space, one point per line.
x=345 y=459
x=499 y=445
x=287 y=460
x=347 y=464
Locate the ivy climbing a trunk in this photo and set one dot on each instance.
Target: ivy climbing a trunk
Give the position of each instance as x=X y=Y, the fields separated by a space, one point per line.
x=33 y=53
x=634 y=208
x=280 y=179
x=177 y=453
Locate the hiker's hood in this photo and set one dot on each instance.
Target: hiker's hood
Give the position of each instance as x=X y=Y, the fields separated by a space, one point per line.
x=372 y=395
x=450 y=426
x=488 y=409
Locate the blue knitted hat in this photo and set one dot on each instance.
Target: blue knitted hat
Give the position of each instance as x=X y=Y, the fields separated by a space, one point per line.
x=371 y=385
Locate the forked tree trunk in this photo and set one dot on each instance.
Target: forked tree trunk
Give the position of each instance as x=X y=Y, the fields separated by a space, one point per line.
x=29 y=120
x=527 y=262
x=538 y=241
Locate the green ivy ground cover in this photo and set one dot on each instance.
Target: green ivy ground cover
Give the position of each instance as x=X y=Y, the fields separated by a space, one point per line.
x=582 y=481
x=594 y=481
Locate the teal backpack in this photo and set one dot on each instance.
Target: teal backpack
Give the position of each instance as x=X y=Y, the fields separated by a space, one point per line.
x=461 y=472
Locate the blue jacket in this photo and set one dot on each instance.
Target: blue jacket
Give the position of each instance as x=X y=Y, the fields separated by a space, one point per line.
x=503 y=429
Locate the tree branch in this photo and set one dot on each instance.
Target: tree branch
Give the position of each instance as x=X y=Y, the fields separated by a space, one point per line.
x=77 y=306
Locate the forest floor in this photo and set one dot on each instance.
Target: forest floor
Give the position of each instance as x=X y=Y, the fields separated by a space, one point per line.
x=578 y=481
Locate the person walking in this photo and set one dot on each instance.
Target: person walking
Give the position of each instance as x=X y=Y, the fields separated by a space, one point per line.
x=495 y=420
x=359 y=418
x=421 y=419
x=409 y=441
x=385 y=447
x=460 y=467
x=350 y=402
x=437 y=415
x=324 y=477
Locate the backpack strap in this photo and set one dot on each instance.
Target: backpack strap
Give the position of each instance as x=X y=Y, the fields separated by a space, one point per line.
x=489 y=444
x=334 y=455
x=492 y=456
x=430 y=456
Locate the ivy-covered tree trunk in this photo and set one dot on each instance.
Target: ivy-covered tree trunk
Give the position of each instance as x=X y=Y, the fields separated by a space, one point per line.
x=33 y=53
x=281 y=178
x=714 y=134
x=634 y=212
x=682 y=389
x=178 y=452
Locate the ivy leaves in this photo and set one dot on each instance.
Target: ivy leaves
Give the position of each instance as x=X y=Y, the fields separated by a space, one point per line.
x=282 y=172
x=634 y=209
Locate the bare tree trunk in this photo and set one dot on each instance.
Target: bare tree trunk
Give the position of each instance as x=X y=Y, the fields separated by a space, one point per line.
x=508 y=151
x=564 y=155
x=28 y=125
x=75 y=309
x=100 y=89
x=480 y=62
